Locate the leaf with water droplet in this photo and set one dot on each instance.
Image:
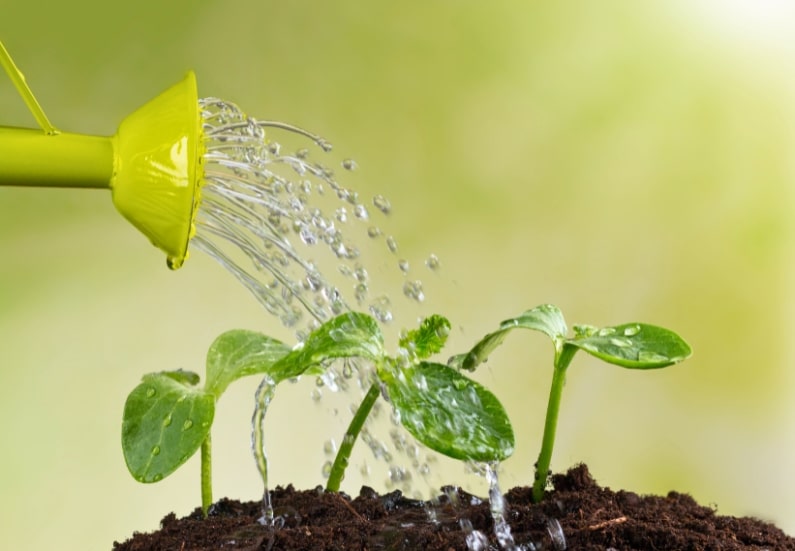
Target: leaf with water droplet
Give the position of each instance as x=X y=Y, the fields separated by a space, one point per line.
x=239 y=353
x=546 y=318
x=449 y=412
x=154 y=439
x=639 y=346
x=348 y=335
x=429 y=338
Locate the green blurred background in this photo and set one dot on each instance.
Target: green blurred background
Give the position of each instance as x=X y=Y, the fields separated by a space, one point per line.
x=626 y=161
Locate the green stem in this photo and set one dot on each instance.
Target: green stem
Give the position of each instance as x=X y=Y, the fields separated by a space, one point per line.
x=562 y=360
x=355 y=427
x=207 y=474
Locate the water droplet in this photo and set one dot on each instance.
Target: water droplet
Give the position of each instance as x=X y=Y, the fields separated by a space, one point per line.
x=584 y=330
x=652 y=357
x=379 y=308
x=150 y=392
x=374 y=231
x=157 y=478
x=433 y=262
x=391 y=244
x=360 y=274
x=403 y=265
x=337 y=335
x=349 y=164
x=326 y=470
x=606 y=331
x=156 y=450
x=329 y=447
x=413 y=290
x=342 y=214
x=631 y=330
x=167 y=420
x=316 y=395
x=187 y=424
x=360 y=211
x=382 y=204
x=620 y=342
x=360 y=292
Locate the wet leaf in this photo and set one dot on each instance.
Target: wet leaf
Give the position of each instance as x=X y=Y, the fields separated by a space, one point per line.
x=350 y=335
x=238 y=353
x=449 y=412
x=429 y=338
x=166 y=418
x=634 y=345
x=546 y=318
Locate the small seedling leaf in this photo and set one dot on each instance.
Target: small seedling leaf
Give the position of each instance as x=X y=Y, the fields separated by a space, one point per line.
x=429 y=338
x=546 y=318
x=238 y=353
x=349 y=335
x=634 y=346
x=166 y=418
x=449 y=412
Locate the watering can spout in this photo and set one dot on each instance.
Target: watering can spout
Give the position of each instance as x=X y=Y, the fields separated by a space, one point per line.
x=156 y=173
x=151 y=165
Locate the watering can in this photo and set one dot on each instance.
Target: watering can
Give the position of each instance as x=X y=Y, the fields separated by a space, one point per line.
x=151 y=165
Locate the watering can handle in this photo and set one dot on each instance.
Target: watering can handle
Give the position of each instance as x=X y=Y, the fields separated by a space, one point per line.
x=48 y=157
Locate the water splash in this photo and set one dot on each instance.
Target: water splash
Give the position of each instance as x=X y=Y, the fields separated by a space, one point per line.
x=263 y=398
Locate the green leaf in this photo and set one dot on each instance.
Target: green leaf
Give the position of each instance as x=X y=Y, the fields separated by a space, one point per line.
x=166 y=418
x=449 y=412
x=634 y=345
x=546 y=318
x=429 y=338
x=238 y=353
x=349 y=335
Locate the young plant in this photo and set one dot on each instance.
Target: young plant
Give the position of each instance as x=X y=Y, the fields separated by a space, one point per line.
x=169 y=416
x=630 y=345
x=440 y=407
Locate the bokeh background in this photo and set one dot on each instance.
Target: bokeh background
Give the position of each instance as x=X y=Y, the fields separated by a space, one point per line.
x=626 y=161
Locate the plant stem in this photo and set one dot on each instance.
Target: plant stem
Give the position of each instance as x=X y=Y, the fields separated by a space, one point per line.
x=207 y=474
x=562 y=360
x=354 y=428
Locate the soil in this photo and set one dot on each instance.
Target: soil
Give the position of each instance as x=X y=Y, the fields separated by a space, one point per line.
x=591 y=518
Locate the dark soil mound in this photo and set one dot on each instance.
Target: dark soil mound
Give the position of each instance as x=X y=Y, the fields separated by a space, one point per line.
x=591 y=518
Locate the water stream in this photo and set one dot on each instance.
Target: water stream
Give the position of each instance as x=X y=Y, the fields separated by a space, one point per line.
x=264 y=214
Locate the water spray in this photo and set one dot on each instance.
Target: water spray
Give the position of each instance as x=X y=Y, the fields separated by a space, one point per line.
x=151 y=165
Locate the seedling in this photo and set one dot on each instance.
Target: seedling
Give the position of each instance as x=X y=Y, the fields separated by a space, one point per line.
x=630 y=345
x=168 y=417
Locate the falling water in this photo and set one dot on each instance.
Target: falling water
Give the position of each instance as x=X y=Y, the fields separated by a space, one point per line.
x=265 y=212
x=267 y=203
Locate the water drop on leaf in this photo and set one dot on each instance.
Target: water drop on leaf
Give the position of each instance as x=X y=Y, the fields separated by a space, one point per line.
x=631 y=331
